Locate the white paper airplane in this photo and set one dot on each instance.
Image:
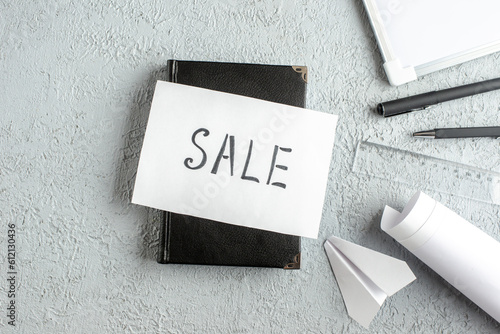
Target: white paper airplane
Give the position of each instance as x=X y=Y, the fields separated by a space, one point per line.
x=365 y=277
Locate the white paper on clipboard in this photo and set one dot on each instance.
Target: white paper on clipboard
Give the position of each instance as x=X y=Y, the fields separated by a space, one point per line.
x=420 y=37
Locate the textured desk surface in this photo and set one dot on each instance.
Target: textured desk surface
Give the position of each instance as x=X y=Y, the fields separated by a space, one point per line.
x=76 y=85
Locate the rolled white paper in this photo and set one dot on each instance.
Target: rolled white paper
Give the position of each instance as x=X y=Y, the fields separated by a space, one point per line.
x=462 y=254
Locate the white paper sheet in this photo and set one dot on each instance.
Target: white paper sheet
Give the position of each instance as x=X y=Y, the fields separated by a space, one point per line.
x=462 y=254
x=235 y=159
x=365 y=277
x=426 y=30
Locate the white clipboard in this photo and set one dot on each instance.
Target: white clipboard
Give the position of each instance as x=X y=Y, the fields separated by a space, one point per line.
x=417 y=37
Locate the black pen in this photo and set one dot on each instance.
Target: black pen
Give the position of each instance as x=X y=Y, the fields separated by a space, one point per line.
x=422 y=101
x=490 y=131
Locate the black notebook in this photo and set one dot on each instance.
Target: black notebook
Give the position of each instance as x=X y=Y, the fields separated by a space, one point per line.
x=191 y=240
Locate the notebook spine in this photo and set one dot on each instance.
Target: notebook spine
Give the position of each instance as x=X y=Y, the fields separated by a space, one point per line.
x=172 y=70
x=163 y=249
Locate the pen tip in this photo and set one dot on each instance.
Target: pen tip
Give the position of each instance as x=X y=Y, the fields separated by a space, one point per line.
x=380 y=109
x=425 y=134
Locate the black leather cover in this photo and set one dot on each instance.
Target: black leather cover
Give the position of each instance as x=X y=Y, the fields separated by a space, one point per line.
x=191 y=240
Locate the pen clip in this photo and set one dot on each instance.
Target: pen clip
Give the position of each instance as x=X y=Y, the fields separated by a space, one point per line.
x=422 y=108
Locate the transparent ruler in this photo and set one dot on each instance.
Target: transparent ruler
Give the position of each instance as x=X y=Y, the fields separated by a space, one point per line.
x=425 y=172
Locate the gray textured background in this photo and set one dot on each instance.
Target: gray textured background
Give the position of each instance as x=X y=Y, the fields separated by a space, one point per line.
x=76 y=85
